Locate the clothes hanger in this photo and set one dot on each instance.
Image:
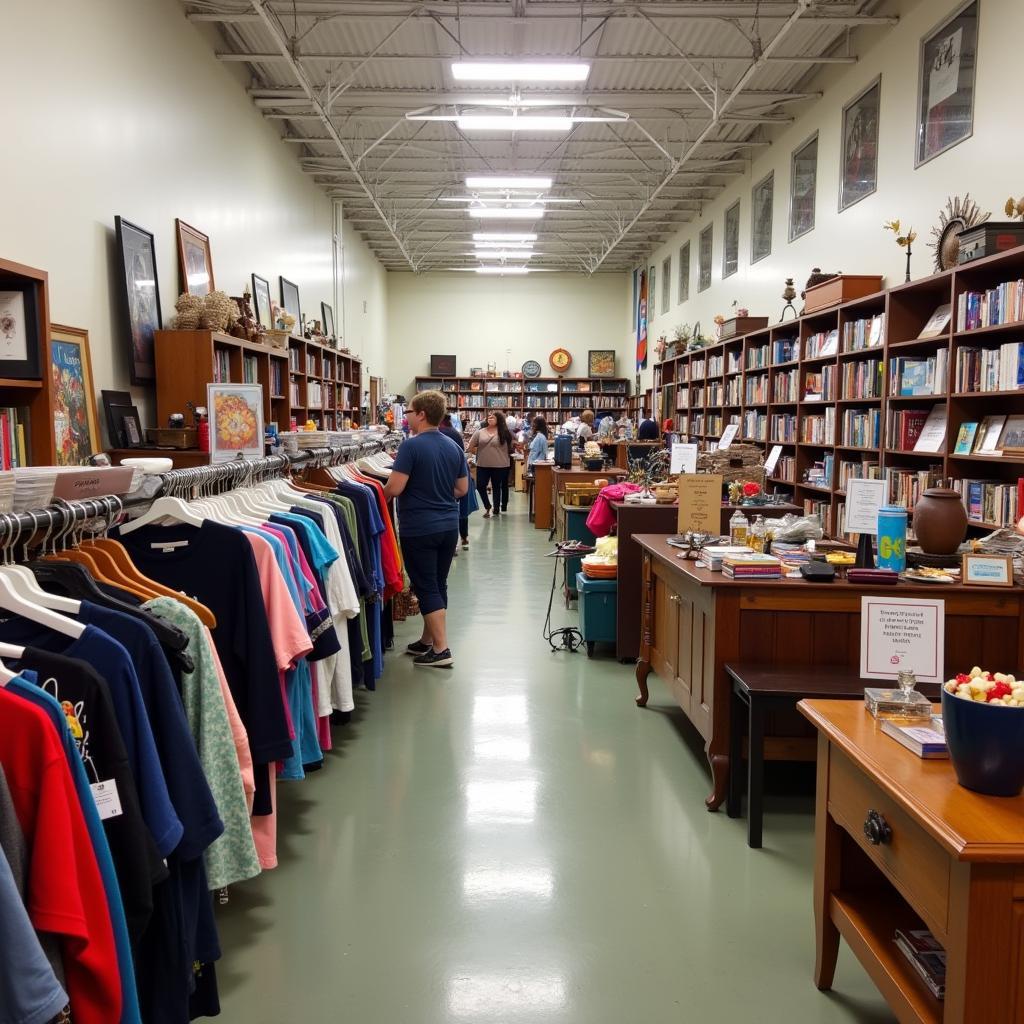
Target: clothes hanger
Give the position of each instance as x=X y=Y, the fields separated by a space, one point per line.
x=165 y=507
x=13 y=652
x=12 y=601
x=21 y=577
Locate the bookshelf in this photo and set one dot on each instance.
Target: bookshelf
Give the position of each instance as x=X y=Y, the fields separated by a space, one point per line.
x=839 y=389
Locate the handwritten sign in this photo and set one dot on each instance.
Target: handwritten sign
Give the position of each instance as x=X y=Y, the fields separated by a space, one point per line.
x=700 y=502
x=900 y=634
x=863 y=500
x=728 y=436
x=684 y=459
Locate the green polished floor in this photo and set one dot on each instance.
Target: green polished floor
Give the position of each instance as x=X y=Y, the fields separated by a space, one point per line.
x=512 y=841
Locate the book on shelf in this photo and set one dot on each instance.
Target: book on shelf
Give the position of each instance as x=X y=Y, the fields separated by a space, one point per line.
x=990 y=369
x=14 y=428
x=783 y=427
x=864 y=468
x=819 y=473
x=912 y=375
x=823 y=343
x=757 y=357
x=1011 y=440
x=785 y=350
x=221 y=366
x=965 y=438
x=276 y=377
x=862 y=428
x=859 y=335
x=986 y=441
x=862 y=378
x=1003 y=304
x=819 y=428
x=822 y=509
x=998 y=502
x=757 y=389
x=932 y=438
x=937 y=322
x=905 y=486
x=904 y=427
x=927 y=741
x=926 y=956
x=784 y=386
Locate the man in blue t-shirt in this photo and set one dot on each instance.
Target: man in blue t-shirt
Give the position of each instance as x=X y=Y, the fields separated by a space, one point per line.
x=428 y=478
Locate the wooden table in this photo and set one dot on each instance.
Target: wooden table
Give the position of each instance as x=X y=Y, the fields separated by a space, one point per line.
x=696 y=621
x=952 y=862
x=549 y=483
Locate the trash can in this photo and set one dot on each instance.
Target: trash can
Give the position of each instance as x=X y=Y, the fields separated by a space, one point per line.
x=598 y=601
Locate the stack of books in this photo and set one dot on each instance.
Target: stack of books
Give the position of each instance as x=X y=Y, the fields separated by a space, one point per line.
x=926 y=956
x=926 y=739
x=712 y=557
x=1000 y=305
x=752 y=567
x=791 y=553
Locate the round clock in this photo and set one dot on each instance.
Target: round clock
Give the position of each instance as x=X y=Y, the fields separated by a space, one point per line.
x=531 y=368
x=560 y=360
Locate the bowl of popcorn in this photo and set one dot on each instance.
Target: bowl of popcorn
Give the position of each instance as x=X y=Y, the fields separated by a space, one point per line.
x=983 y=717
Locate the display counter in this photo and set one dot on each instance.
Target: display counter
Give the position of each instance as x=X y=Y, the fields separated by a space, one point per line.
x=549 y=482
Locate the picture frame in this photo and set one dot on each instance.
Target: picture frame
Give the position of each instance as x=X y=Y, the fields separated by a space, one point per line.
x=666 y=283
x=122 y=419
x=684 y=273
x=987 y=570
x=327 y=315
x=136 y=252
x=236 y=421
x=731 y=241
x=652 y=293
x=858 y=168
x=131 y=428
x=21 y=327
x=704 y=251
x=762 y=201
x=194 y=259
x=75 y=423
x=803 y=187
x=945 y=85
x=261 y=302
x=290 y=302
x=1011 y=440
x=442 y=366
x=601 y=362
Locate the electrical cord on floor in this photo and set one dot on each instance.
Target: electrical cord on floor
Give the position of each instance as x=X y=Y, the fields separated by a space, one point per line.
x=568 y=638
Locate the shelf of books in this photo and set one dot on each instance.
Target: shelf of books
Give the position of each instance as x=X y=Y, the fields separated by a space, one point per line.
x=920 y=385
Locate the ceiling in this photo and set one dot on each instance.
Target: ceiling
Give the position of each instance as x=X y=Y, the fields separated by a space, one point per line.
x=689 y=90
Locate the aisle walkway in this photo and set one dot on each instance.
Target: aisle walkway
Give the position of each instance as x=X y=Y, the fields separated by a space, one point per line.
x=512 y=841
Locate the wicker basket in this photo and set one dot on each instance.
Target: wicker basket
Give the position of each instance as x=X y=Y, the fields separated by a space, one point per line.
x=581 y=494
x=277 y=338
x=737 y=462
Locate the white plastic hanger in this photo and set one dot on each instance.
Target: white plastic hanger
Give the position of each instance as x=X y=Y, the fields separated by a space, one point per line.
x=21 y=577
x=12 y=601
x=15 y=654
x=165 y=507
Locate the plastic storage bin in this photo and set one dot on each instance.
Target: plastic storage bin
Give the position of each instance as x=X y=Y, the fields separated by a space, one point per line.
x=598 y=604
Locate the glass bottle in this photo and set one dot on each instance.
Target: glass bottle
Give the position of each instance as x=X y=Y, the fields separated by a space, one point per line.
x=738 y=527
x=755 y=538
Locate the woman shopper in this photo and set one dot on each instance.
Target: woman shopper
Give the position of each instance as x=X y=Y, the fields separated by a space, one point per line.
x=428 y=478
x=492 y=446
x=586 y=431
x=467 y=503
x=538 y=443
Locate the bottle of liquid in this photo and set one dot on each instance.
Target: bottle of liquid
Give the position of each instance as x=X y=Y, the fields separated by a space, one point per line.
x=738 y=527
x=756 y=537
x=892 y=538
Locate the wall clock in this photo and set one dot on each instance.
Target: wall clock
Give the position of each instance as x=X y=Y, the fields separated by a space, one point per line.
x=531 y=368
x=560 y=360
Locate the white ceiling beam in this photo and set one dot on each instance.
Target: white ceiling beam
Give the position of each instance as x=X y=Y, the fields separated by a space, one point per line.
x=482 y=143
x=260 y=57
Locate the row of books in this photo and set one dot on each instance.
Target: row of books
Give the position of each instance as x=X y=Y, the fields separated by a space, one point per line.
x=697 y=397
x=295 y=366
x=715 y=393
x=757 y=389
x=783 y=425
x=990 y=369
x=820 y=385
x=755 y=426
x=859 y=335
x=862 y=428
x=757 y=357
x=905 y=486
x=593 y=402
x=221 y=366
x=926 y=956
x=314 y=394
x=823 y=511
x=992 y=501
x=1003 y=304
x=14 y=429
x=858 y=469
x=994 y=435
x=250 y=369
x=733 y=390
x=919 y=430
x=819 y=473
x=697 y=368
x=785 y=350
x=823 y=343
x=716 y=366
x=785 y=385
x=914 y=375
x=785 y=468
x=276 y=378
x=312 y=364
x=734 y=362
x=293 y=394
x=862 y=378
x=819 y=429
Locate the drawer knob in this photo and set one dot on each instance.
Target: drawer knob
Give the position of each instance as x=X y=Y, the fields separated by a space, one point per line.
x=877 y=829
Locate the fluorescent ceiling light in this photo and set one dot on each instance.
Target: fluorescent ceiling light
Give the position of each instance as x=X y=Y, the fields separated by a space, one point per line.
x=497 y=243
x=502 y=270
x=503 y=236
x=501 y=254
x=519 y=71
x=506 y=213
x=513 y=123
x=538 y=184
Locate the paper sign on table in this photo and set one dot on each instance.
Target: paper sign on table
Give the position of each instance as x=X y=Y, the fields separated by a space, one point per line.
x=900 y=634
x=773 y=460
x=684 y=459
x=728 y=436
x=700 y=502
x=863 y=500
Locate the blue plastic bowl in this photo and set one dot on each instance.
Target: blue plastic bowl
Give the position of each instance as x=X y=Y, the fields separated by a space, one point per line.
x=986 y=745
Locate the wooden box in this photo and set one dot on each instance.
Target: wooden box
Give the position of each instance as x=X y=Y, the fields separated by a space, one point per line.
x=172 y=437
x=581 y=494
x=988 y=239
x=742 y=325
x=840 y=289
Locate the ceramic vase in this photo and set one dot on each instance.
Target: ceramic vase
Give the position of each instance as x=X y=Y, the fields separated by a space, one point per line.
x=940 y=521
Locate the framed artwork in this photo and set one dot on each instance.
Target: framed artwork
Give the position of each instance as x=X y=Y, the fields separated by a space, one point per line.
x=328 y=317
x=290 y=302
x=731 y=244
x=1011 y=441
x=652 y=293
x=19 y=328
x=442 y=366
x=75 y=424
x=684 y=272
x=195 y=259
x=136 y=251
x=858 y=168
x=601 y=362
x=803 y=185
x=666 y=283
x=236 y=421
x=945 y=86
x=704 y=258
x=762 y=199
x=987 y=570
x=261 y=301
x=124 y=429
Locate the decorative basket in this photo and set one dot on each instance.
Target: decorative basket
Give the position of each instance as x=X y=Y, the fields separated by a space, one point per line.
x=276 y=337
x=172 y=437
x=738 y=462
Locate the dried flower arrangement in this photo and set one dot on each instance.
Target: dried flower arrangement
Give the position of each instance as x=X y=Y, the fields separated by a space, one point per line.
x=903 y=238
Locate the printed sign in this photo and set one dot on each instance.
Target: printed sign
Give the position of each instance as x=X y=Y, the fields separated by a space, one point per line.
x=863 y=500
x=684 y=459
x=901 y=634
x=700 y=502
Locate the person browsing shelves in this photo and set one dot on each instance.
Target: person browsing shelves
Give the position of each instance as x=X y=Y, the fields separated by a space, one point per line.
x=492 y=446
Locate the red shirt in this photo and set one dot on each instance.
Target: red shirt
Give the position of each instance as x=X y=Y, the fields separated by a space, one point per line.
x=65 y=892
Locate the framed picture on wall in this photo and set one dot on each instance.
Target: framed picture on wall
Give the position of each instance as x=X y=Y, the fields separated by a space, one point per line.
x=195 y=259
x=136 y=250
x=684 y=272
x=666 y=283
x=328 y=317
x=704 y=258
x=290 y=301
x=731 y=243
x=20 y=328
x=762 y=199
x=601 y=362
x=803 y=185
x=236 y=421
x=945 y=87
x=858 y=167
x=652 y=293
x=261 y=301
x=75 y=424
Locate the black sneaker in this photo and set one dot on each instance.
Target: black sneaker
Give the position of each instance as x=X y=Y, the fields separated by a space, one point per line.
x=417 y=648
x=435 y=659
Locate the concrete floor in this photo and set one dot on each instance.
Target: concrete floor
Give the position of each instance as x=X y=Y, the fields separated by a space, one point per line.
x=512 y=841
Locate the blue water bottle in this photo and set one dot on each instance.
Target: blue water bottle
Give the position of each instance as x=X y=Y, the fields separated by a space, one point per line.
x=892 y=538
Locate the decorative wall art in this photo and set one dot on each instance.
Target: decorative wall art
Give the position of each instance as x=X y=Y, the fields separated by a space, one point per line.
x=858 y=167
x=261 y=301
x=803 y=185
x=236 y=421
x=328 y=318
x=122 y=419
x=945 y=88
x=959 y=215
x=731 y=241
x=762 y=198
x=136 y=251
x=194 y=259
x=601 y=362
x=684 y=272
x=652 y=293
x=75 y=424
x=560 y=360
x=290 y=301
x=666 y=283
x=704 y=258
x=20 y=327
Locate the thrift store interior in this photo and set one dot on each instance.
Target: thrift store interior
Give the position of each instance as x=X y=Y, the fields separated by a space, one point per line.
x=511 y=511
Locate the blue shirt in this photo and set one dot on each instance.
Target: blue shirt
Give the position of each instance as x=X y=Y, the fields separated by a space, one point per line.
x=434 y=465
x=538 y=450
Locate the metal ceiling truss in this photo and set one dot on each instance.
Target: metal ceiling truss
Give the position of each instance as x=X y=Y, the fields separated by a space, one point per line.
x=684 y=113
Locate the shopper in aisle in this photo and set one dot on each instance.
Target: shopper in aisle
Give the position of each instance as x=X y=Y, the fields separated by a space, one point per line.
x=428 y=478
x=538 y=442
x=467 y=503
x=586 y=431
x=492 y=446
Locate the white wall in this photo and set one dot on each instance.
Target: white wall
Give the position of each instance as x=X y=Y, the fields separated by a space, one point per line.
x=987 y=165
x=121 y=108
x=503 y=320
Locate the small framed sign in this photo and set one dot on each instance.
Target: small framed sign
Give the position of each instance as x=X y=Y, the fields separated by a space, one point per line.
x=988 y=570
x=442 y=366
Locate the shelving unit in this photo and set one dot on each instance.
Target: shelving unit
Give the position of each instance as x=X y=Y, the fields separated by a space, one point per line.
x=832 y=408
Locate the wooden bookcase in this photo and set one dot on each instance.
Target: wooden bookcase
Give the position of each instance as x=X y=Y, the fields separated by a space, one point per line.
x=834 y=413
x=306 y=381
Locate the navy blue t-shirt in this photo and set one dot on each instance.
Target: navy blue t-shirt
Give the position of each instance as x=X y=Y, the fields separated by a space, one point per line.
x=434 y=465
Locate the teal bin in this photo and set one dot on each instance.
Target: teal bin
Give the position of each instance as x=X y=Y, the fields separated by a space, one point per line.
x=575 y=529
x=598 y=600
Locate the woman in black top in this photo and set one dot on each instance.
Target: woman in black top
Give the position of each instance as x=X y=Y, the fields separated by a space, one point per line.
x=467 y=503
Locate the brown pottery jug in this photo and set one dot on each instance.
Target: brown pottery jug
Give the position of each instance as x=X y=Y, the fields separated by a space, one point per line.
x=940 y=521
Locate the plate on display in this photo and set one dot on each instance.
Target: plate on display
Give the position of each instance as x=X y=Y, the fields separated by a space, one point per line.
x=531 y=368
x=560 y=360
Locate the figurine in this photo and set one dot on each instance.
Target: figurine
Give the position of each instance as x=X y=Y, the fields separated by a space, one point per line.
x=789 y=294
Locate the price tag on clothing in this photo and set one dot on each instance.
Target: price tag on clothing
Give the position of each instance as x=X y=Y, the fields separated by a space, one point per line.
x=108 y=803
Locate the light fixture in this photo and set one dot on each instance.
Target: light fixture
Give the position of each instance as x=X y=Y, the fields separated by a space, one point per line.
x=502 y=270
x=506 y=212
x=503 y=236
x=519 y=71
x=512 y=123
x=490 y=246
x=501 y=254
x=538 y=184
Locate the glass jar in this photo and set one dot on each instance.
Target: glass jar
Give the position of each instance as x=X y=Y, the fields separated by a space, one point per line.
x=738 y=528
x=756 y=537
